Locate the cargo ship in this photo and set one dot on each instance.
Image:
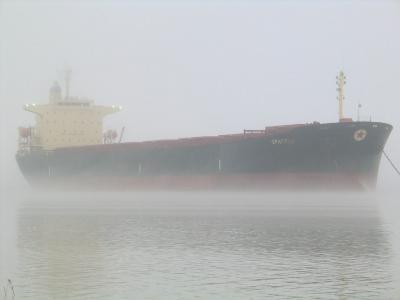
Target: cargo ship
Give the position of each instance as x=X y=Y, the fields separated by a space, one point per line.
x=67 y=148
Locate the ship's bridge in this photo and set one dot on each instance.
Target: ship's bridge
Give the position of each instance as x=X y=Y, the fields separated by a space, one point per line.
x=66 y=122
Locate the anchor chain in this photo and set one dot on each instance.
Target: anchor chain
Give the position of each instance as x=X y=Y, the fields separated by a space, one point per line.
x=391 y=162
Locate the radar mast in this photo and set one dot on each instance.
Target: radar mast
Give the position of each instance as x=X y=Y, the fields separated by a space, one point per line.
x=67 y=82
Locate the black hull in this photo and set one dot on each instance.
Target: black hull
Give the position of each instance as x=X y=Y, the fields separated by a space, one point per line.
x=336 y=155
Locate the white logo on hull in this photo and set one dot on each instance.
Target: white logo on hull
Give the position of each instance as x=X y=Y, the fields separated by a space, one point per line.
x=360 y=135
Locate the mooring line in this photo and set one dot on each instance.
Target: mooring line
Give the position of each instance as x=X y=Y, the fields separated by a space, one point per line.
x=392 y=164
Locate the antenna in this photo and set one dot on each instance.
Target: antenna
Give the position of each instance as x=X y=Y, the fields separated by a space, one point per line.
x=67 y=82
x=340 y=81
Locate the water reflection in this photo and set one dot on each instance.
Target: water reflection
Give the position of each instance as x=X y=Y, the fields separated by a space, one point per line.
x=178 y=246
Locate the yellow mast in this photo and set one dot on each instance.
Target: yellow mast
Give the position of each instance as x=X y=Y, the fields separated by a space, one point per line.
x=340 y=81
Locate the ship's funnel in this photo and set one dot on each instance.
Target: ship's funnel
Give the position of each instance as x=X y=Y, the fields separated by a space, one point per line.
x=55 y=93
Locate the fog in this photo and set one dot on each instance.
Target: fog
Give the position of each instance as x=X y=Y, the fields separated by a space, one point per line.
x=201 y=68
x=194 y=68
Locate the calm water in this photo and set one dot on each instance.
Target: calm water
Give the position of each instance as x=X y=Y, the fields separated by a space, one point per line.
x=200 y=246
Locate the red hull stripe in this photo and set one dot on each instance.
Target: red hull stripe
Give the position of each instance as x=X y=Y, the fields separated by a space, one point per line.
x=289 y=181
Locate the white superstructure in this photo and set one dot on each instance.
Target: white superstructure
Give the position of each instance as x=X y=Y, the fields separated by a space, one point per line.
x=65 y=122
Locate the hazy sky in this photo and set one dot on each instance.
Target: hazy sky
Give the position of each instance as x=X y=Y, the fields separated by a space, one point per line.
x=187 y=68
